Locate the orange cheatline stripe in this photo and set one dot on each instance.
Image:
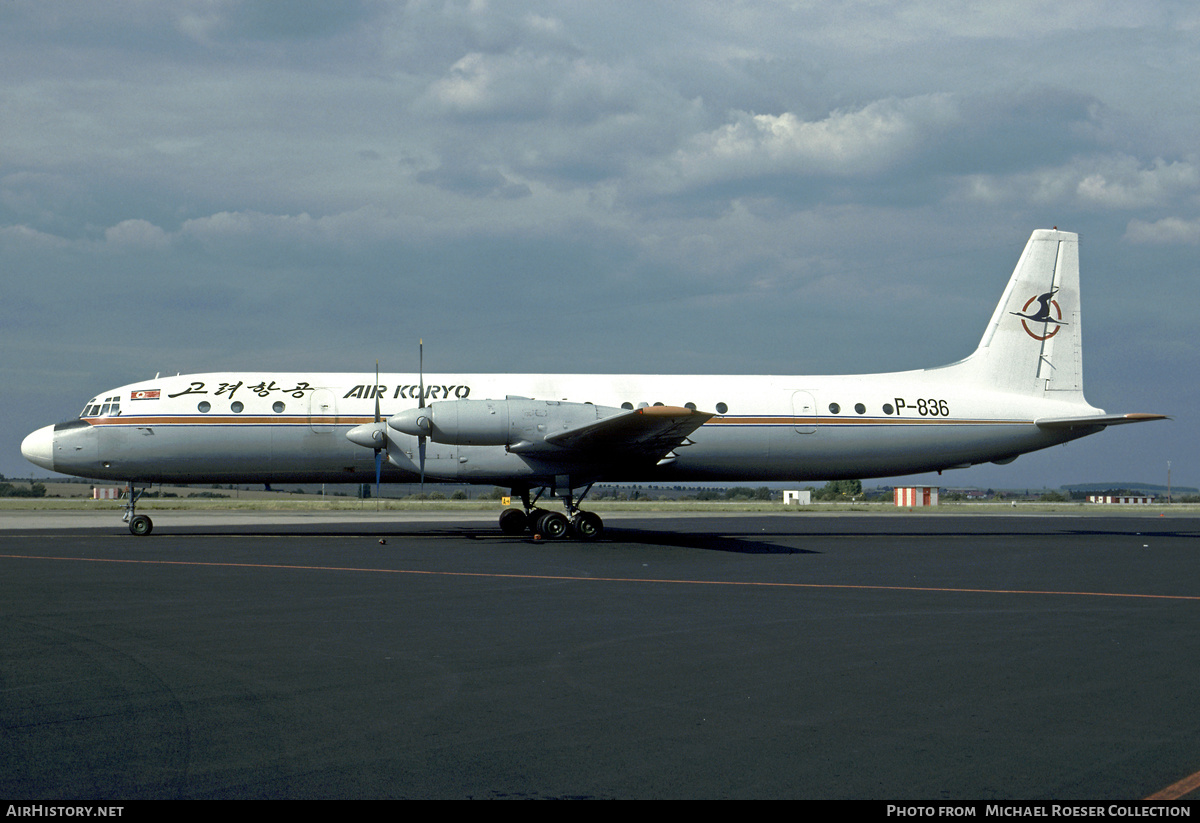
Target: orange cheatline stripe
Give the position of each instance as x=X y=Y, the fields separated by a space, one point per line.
x=496 y=575
x=131 y=421
x=194 y=419
x=1178 y=790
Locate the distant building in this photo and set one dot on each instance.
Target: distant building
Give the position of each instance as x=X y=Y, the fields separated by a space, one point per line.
x=914 y=496
x=797 y=498
x=109 y=493
x=1138 y=500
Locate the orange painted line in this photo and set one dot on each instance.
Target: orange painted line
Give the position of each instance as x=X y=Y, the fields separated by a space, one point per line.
x=495 y=575
x=130 y=420
x=1178 y=790
x=746 y=420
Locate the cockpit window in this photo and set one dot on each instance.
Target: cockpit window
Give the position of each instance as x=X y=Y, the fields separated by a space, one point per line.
x=110 y=407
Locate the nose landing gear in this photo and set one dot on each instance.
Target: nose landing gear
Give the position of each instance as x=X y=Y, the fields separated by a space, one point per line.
x=139 y=524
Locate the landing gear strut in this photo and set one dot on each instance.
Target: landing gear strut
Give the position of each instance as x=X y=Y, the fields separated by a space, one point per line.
x=139 y=524
x=552 y=525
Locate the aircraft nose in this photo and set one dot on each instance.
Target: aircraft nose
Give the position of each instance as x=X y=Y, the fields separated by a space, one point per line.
x=38 y=448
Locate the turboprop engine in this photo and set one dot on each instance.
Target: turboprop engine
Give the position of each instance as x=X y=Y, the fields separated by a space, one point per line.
x=519 y=423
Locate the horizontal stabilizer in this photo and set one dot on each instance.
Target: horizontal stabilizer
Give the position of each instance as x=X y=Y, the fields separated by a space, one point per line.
x=1095 y=420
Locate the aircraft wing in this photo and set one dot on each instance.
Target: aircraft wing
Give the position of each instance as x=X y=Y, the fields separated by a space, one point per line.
x=1095 y=420
x=648 y=433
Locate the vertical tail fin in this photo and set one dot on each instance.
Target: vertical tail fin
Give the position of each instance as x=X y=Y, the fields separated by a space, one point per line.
x=1032 y=344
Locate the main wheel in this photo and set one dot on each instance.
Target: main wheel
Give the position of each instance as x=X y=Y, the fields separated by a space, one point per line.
x=552 y=525
x=141 y=525
x=513 y=521
x=587 y=525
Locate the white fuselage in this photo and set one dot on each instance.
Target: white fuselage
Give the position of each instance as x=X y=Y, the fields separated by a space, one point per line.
x=274 y=428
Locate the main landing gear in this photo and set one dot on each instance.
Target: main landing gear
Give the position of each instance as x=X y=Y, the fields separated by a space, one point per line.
x=139 y=524
x=552 y=525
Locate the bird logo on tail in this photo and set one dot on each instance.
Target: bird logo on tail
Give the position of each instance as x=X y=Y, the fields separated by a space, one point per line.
x=1046 y=305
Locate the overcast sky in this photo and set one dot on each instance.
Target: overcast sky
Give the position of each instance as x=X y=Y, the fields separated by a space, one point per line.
x=626 y=186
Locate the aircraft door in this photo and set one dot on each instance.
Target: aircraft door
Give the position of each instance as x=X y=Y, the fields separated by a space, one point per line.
x=322 y=410
x=804 y=412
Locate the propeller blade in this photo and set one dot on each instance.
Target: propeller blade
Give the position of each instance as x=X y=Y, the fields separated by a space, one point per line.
x=421 y=405
x=376 y=391
x=380 y=435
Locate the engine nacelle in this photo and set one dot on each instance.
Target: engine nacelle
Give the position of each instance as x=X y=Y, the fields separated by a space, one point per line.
x=513 y=422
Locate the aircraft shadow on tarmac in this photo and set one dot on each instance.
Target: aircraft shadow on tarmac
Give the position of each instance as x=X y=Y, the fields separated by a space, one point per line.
x=733 y=543
x=776 y=542
x=724 y=542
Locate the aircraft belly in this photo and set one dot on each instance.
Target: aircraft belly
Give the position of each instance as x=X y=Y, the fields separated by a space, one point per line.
x=856 y=452
x=229 y=454
x=185 y=453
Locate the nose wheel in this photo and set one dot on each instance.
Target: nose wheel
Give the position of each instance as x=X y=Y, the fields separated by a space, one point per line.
x=139 y=524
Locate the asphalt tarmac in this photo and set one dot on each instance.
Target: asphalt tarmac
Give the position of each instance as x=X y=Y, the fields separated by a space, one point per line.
x=749 y=656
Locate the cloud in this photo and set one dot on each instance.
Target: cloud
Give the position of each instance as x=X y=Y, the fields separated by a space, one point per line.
x=477 y=181
x=1169 y=230
x=344 y=235
x=140 y=234
x=521 y=85
x=1125 y=183
x=24 y=239
x=853 y=143
x=306 y=20
x=1110 y=182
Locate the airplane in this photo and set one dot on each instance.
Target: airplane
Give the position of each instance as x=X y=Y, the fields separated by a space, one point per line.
x=1020 y=391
